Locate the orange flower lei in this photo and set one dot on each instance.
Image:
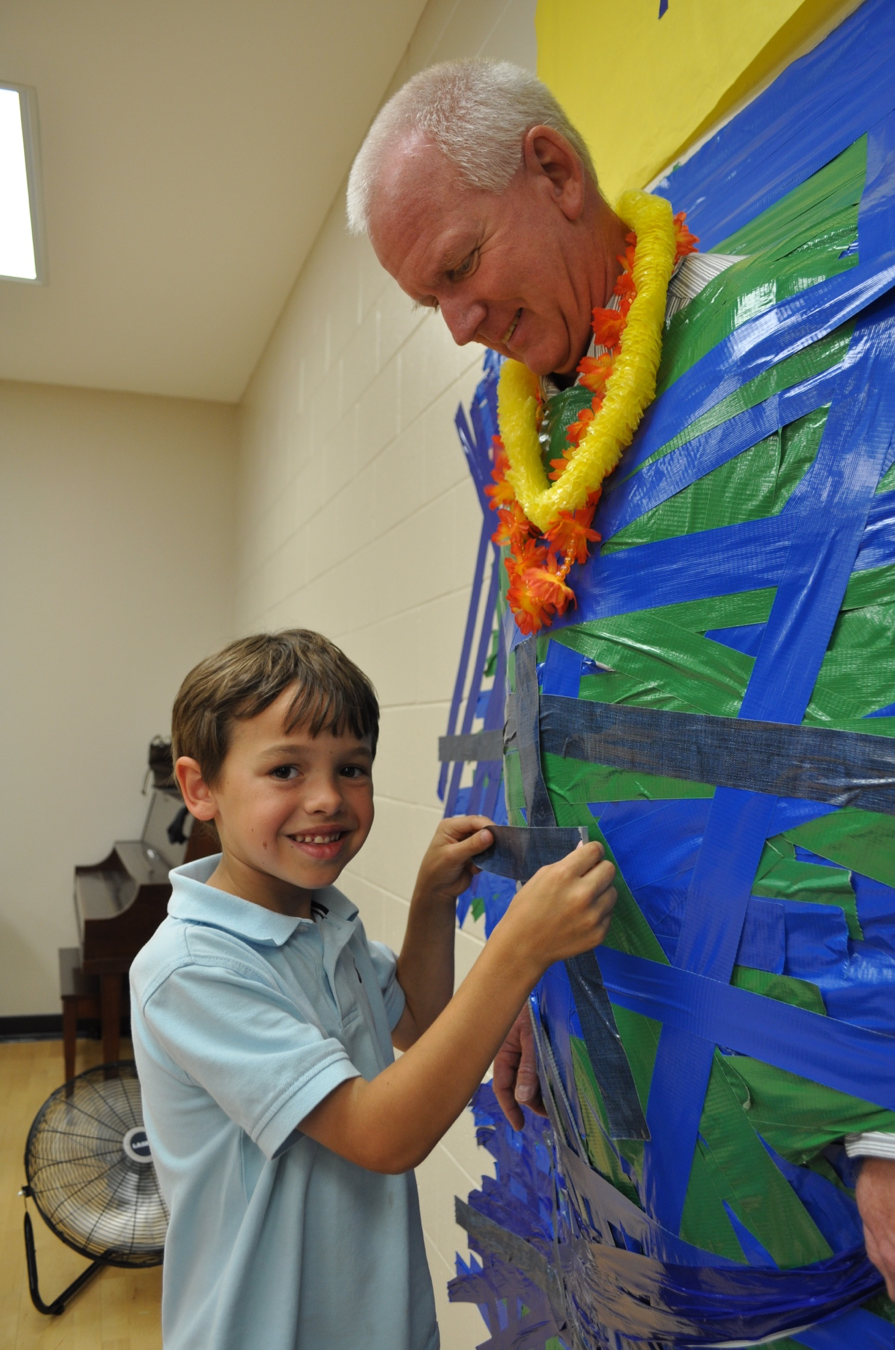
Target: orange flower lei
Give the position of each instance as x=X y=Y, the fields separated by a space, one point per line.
x=539 y=562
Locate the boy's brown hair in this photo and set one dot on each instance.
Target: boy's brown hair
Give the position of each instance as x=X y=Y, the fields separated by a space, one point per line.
x=331 y=693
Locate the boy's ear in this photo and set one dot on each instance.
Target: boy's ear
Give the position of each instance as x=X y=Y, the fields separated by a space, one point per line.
x=197 y=795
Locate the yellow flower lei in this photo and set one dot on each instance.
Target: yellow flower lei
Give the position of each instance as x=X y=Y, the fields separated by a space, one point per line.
x=629 y=389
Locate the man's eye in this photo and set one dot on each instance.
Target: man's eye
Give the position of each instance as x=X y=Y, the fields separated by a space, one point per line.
x=463 y=269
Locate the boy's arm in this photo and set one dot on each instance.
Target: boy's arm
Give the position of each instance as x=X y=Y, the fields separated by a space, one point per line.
x=392 y=1122
x=426 y=964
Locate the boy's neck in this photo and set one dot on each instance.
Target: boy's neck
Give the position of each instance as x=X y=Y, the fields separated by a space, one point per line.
x=260 y=888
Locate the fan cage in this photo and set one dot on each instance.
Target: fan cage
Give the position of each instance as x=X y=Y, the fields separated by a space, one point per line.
x=89 y=1192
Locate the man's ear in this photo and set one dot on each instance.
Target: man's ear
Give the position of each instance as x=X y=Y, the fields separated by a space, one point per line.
x=196 y=793
x=547 y=154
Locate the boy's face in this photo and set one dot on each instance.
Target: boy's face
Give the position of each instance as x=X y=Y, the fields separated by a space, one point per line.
x=291 y=809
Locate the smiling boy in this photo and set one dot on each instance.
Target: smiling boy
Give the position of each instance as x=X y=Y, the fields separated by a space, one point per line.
x=283 y=1131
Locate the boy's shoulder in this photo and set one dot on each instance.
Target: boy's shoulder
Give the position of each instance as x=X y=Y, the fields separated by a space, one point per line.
x=209 y=927
x=205 y=926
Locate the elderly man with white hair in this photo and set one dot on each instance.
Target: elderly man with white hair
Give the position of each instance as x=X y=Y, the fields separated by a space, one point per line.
x=481 y=200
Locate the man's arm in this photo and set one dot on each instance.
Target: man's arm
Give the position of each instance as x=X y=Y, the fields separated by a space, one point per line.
x=392 y=1122
x=875 y=1194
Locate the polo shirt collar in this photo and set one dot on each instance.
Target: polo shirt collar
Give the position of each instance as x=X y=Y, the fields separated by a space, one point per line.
x=193 y=900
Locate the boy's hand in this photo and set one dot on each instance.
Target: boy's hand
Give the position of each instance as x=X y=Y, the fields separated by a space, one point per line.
x=565 y=908
x=448 y=866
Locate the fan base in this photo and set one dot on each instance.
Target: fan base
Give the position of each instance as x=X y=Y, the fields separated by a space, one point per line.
x=59 y=1304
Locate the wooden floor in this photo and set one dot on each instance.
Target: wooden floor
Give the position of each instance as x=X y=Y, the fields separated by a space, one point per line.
x=119 y=1309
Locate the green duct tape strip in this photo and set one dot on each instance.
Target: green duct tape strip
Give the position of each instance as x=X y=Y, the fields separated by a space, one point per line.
x=782 y=877
x=856 y=675
x=754 y=485
x=863 y=841
x=654 y=663
x=794 y=244
x=810 y=361
x=574 y=782
x=876 y=586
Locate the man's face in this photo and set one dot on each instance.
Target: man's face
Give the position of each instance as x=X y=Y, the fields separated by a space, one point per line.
x=505 y=270
x=292 y=809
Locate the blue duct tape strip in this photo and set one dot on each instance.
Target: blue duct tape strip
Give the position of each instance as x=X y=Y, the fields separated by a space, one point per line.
x=849 y=1332
x=703 y=566
x=611 y=1288
x=640 y=492
x=735 y=832
x=474 y=459
x=815 y=109
x=745 y=638
x=645 y=1302
x=840 y=1055
x=466 y=649
x=793 y=324
x=476 y=684
x=562 y=671
x=843 y=768
x=829 y=510
x=833 y=512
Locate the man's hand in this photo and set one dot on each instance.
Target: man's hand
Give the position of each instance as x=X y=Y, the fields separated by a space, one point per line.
x=515 y=1073
x=875 y=1194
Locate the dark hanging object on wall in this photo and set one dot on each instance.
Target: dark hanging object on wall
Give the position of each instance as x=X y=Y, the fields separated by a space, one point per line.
x=161 y=765
x=90 y=1173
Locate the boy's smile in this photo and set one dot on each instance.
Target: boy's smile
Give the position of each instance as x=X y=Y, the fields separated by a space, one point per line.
x=291 y=809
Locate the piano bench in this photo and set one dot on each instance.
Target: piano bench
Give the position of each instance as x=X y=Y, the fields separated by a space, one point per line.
x=82 y=996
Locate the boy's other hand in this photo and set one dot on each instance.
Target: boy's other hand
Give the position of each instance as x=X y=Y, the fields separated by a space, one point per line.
x=448 y=866
x=565 y=908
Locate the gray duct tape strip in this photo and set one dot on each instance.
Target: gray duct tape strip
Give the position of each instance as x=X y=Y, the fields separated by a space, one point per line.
x=844 y=768
x=499 y=1241
x=518 y=853
x=476 y=747
x=527 y=704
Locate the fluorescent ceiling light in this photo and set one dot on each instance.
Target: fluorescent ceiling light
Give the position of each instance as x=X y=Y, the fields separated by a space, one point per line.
x=18 y=252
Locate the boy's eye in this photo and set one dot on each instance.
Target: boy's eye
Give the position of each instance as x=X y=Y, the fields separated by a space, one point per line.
x=284 y=772
x=355 y=771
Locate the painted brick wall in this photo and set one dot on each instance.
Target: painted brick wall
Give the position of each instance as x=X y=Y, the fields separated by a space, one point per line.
x=357 y=518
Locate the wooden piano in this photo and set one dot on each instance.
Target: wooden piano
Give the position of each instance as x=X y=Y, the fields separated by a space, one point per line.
x=119 y=903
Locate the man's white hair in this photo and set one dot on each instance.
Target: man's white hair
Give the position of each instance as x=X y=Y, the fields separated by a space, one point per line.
x=476 y=112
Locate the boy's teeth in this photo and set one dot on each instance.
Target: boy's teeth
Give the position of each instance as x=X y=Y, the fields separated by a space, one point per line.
x=317 y=838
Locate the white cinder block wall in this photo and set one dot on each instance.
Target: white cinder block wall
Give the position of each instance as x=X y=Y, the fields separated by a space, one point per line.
x=357 y=518
x=116 y=576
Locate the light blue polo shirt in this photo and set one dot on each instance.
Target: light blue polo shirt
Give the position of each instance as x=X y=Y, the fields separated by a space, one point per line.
x=243 y=1021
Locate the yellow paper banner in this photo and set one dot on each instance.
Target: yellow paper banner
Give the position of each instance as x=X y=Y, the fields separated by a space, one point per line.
x=641 y=87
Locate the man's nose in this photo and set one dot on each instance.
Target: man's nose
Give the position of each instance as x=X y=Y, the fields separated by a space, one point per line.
x=464 y=318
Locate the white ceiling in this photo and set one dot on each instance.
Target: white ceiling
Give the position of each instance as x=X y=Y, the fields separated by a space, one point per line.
x=190 y=151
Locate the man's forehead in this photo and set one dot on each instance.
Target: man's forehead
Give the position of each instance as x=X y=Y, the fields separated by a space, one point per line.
x=430 y=220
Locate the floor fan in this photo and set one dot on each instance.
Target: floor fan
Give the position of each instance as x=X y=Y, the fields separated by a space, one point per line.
x=90 y=1173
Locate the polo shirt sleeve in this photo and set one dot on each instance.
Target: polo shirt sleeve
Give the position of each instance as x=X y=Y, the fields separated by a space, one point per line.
x=257 y=1053
x=385 y=966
